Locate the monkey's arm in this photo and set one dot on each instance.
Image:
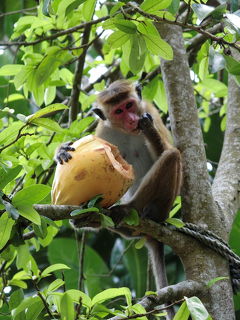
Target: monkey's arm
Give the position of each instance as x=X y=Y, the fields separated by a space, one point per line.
x=151 y=134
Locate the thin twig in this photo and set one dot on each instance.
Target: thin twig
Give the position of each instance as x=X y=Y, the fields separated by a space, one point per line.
x=17 y=11
x=81 y=260
x=154 y=311
x=43 y=300
x=78 y=78
x=198 y=29
x=19 y=135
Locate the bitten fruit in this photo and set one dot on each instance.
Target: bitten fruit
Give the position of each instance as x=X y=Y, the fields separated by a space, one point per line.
x=96 y=167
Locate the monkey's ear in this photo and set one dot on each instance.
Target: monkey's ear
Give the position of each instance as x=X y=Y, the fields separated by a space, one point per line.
x=100 y=113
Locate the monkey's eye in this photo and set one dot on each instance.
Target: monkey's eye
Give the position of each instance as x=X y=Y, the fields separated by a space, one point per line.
x=129 y=105
x=118 y=111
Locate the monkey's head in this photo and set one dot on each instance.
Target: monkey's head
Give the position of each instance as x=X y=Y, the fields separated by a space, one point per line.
x=121 y=106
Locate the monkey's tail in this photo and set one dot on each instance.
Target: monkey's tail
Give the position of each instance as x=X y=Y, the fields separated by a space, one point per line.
x=156 y=252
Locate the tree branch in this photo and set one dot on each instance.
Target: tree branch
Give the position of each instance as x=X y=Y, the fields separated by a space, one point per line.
x=198 y=29
x=78 y=77
x=150 y=228
x=175 y=292
x=226 y=185
x=55 y=35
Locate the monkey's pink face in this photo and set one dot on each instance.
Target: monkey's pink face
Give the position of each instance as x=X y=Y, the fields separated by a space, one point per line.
x=125 y=115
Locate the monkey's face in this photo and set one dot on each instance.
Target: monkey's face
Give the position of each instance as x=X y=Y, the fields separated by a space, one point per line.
x=125 y=115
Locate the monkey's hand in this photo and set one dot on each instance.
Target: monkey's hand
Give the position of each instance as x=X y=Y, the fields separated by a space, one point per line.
x=62 y=155
x=145 y=122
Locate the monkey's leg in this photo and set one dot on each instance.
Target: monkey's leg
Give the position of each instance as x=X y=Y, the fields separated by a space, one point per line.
x=159 y=188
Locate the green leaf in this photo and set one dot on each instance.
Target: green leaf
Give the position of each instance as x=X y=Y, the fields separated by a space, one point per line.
x=197 y=309
x=16 y=298
x=140 y=243
x=183 y=312
x=81 y=211
x=10 y=133
x=111 y=294
x=48 y=124
x=106 y=221
x=10 y=69
x=7 y=175
x=136 y=59
x=215 y=280
x=223 y=123
x=233 y=66
x=132 y=218
x=148 y=28
x=88 y=9
x=175 y=210
x=77 y=295
x=216 y=86
x=45 y=111
x=125 y=26
x=49 y=95
x=158 y=46
x=176 y=222
x=23 y=75
x=203 y=68
x=52 y=60
x=34 y=310
x=30 y=195
x=67 y=307
x=58 y=266
x=117 y=39
x=151 y=6
x=29 y=213
x=24 y=305
x=116 y=7
x=55 y=285
x=14 y=97
x=95 y=201
x=6 y=225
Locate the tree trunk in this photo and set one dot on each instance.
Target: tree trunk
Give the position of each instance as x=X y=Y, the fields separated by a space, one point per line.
x=198 y=206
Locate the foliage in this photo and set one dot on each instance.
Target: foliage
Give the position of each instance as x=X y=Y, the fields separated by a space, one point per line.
x=40 y=274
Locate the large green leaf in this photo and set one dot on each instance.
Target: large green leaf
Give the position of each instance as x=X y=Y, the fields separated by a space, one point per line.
x=183 y=312
x=158 y=46
x=48 y=124
x=197 y=309
x=67 y=307
x=10 y=69
x=117 y=39
x=30 y=195
x=136 y=262
x=112 y=293
x=94 y=265
x=151 y=6
x=136 y=59
x=7 y=175
x=45 y=111
x=53 y=59
x=30 y=213
x=88 y=9
x=125 y=26
x=10 y=133
x=6 y=225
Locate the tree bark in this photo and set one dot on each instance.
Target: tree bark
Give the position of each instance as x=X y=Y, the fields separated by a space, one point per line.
x=198 y=205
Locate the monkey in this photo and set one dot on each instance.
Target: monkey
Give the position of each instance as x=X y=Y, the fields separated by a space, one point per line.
x=136 y=128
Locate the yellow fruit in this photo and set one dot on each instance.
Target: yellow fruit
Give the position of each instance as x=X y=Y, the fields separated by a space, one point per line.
x=96 y=168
